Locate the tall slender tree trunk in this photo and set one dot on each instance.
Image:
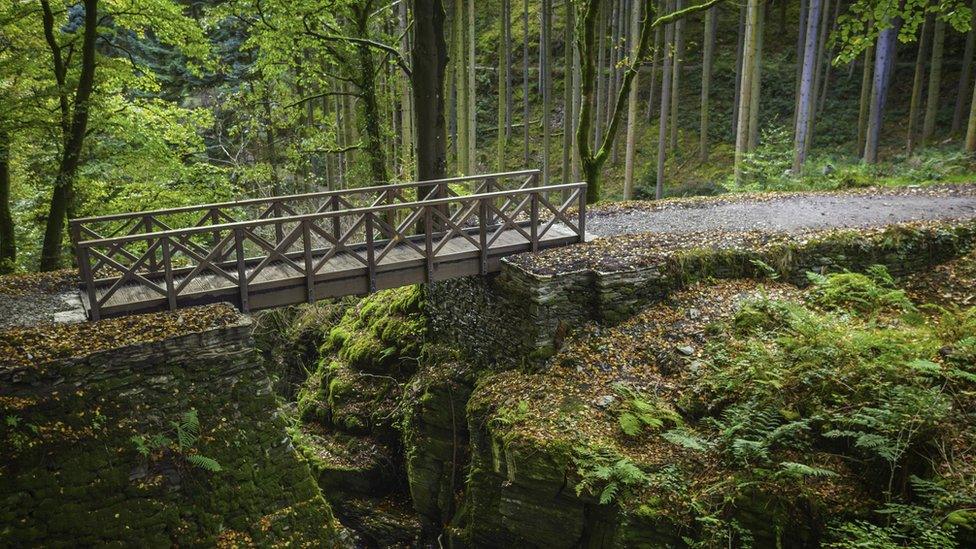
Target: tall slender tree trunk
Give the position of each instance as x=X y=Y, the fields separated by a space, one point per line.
x=429 y=63
x=461 y=88
x=576 y=102
x=368 y=93
x=634 y=40
x=508 y=68
x=916 y=99
x=600 y=76
x=655 y=56
x=935 y=82
x=801 y=40
x=883 y=62
x=965 y=76
x=818 y=71
x=708 y=58
x=865 y=98
x=740 y=43
x=745 y=96
x=73 y=140
x=8 y=242
x=406 y=101
x=546 y=82
x=757 y=79
x=568 y=106
x=665 y=107
x=472 y=95
x=804 y=103
x=502 y=86
x=828 y=64
x=676 y=68
x=525 y=82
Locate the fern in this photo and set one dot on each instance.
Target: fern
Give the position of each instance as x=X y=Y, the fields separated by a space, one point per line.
x=639 y=412
x=794 y=469
x=203 y=462
x=685 y=439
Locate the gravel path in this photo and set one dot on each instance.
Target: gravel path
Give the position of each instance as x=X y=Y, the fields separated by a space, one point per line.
x=784 y=214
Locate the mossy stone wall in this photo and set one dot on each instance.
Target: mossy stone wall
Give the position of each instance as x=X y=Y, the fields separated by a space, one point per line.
x=518 y=316
x=71 y=474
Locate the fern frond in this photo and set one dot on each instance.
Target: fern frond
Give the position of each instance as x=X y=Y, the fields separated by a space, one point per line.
x=205 y=463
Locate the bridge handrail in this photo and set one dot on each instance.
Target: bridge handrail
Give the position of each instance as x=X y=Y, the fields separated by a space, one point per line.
x=368 y=235
x=303 y=196
x=327 y=214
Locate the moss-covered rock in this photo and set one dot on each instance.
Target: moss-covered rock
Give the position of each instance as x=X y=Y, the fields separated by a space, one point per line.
x=99 y=449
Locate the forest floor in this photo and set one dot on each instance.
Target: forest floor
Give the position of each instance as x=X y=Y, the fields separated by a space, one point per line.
x=786 y=213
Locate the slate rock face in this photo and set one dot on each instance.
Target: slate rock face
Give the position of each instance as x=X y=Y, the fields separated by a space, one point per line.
x=73 y=475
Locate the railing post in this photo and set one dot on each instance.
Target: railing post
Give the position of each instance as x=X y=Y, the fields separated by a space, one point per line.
x=582 y=214
x=334 y=207
x=370 y=253
x=489 y=183
x=428 y=243
x=307 y=252
x=483 y=235
x=279 y=231
x=534 y=220
x=168 y=273
x=215 y=220
x=148 y=224
x=84 y=262
x=241 y=267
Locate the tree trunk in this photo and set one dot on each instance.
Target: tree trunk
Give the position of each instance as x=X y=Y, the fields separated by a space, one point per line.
x=652 y=87
x=965 y=75
x=632 y=104
x=883 y=61
x=545 y=83
x=828 y=64
x=461 y=88
x=525 y=82
x=708 y=58
x=371 y=109
x=73 y=141
x=472 y=94
x=757 y=80
x=935 y=82
x=745 y=96
x=429 y=63
x=865 y=99
x=818 y=71
x=568 y=106
x=740 y=43
x=676 y=68
x=8 y=243
x=600 y=76
x=916 y=99
x=502 y=86
x=665 y=107
x=801 y=40
x=406 y=102
x=508 y=69
x=576 y=101
x=804 y=103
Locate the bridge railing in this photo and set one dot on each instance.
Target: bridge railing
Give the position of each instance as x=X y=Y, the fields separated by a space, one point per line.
x=128 y=224
x=171 y=265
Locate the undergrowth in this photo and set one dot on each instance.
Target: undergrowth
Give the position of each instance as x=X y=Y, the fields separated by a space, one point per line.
x=853 y=403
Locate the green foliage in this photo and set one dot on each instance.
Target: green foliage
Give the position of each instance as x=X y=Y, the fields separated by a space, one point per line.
x=865 y=294
x=640 y=412
x=385 y=330
x=605 y=474
x=177 y=443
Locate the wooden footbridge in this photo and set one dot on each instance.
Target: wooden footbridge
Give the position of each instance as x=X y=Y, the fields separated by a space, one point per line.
x=282 y=250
